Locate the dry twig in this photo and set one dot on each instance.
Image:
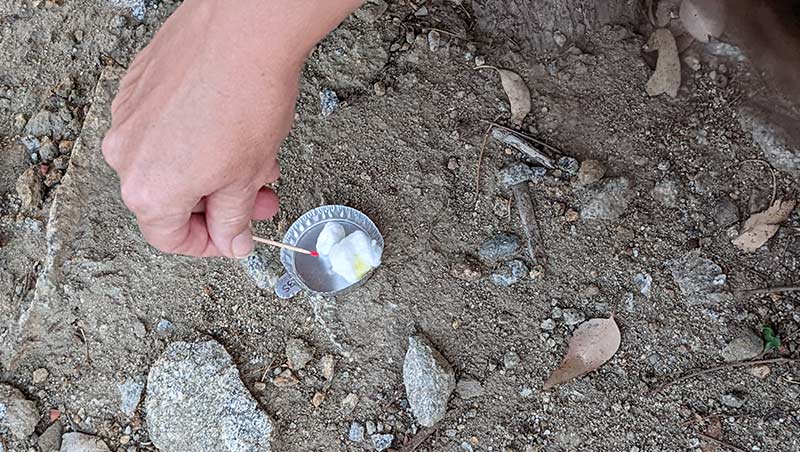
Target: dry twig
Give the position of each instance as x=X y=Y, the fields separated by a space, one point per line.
x=480 y=157
x=733 y=365
x=418 y=439
x=768 y=290
x=720 y=442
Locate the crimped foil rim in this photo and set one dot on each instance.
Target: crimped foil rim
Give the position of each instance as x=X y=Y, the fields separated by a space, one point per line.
x=319 y=215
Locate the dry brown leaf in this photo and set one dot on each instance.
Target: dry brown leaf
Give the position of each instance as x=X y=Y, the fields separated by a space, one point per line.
x=594 y=342
x=714 y=430
x=519 y=96
x=760 y=227
x=703 y=18
x=667 y=77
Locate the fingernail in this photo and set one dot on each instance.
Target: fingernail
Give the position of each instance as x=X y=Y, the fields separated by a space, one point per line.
x=242 y=244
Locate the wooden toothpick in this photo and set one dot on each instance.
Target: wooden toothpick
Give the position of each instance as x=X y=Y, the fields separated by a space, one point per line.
x=285 y=246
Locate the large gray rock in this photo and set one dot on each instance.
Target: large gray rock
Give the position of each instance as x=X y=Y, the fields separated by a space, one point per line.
x=18 y=415
x=80 y=442
x=196 y=402
x=429 y=380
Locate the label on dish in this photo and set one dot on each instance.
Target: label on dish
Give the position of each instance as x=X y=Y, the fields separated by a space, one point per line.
x=286 y=287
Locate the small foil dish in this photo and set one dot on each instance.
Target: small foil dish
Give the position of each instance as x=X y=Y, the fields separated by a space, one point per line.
x=314 y=274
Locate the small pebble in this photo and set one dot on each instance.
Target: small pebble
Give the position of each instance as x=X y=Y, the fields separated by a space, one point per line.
x=434 y=39
x=590 y=172
x=40 y=375
x=733 y=400
x=371 y=428
x=329 y=102
x=572 y=215
x=644 y=282
x=573 y=317
x=559 y=38
x=511 y=360
x=452 y=164
x=382 y=442
x=480 y=60
x=509 y=273
x=548 y=325
x=356 y=433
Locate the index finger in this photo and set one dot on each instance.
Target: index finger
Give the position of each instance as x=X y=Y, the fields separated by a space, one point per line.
x=185 y=234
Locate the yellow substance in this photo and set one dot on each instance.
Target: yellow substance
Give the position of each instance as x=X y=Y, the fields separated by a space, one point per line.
x=361 y=267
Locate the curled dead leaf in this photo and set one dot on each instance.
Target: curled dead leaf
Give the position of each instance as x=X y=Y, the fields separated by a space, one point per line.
x=704 y=18
x=760 y=227
x=594 y=342
x=667 y=77
x=519 y=96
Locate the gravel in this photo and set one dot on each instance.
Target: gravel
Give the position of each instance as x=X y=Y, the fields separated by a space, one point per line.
x=666 y=192
x=298 y=354
x=745 y=346
x=18 y=415
x=196 y=401
x=469 y=389
x=499 y=247
x=608 y=201
x=81 y=442
x=510 y=273
x=429 y=380
x=699 y=279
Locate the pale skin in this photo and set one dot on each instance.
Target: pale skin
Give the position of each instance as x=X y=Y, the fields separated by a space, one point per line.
x=201 y=113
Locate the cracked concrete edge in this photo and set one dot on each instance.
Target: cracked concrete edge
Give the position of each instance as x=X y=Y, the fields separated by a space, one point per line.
x=44 y=322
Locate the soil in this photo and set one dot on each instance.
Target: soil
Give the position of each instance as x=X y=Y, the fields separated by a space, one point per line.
x=81 y=293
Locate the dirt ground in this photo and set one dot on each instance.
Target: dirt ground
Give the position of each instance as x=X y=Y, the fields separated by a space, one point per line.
x=81 y=294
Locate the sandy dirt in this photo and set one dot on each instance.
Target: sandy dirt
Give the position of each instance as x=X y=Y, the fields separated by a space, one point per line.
x=81 y=294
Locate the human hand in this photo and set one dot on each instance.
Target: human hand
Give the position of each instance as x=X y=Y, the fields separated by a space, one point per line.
x=200 y=116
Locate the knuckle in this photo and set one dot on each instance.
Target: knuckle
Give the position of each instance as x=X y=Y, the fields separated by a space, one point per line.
x=137 y=197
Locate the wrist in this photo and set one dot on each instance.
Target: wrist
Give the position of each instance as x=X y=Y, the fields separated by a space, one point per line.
x=286 y=30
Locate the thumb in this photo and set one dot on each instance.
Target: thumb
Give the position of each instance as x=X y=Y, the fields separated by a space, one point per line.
x=228 y=214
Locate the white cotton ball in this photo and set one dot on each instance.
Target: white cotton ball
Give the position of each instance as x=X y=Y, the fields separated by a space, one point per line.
x=331 y=234
x=354 y=257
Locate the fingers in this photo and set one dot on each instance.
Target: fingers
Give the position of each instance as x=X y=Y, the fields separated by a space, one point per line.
x=180 y=234
x=266 y=205
x=228 y=214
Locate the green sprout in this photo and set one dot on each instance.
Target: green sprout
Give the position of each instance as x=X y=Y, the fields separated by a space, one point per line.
x=771 y=340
